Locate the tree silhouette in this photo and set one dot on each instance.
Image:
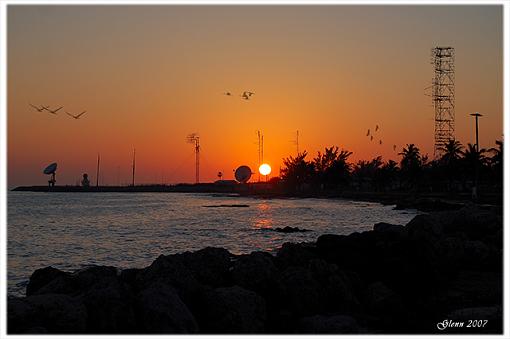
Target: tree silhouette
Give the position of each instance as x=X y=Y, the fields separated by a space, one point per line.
x=411 y=164
x=297 y=171
x=332 y=168
x=450 y=160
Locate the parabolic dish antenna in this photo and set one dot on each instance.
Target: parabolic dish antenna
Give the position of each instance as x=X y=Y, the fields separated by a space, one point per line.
x=243 y=174
x=50 y=169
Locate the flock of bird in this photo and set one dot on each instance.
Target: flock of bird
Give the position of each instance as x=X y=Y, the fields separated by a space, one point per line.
x=54 y=111
x=369 y=134
x=246 y=94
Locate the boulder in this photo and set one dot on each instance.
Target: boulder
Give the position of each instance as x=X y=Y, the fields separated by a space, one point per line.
x=425 y=227
x=383 y=227
x=291 y=254
x=42 y=277
x=232 y=310
x=108 y=302
x=333 y=324
x=210 y=265
x=257 y=272
x=303 y=294
x=46 y=313
x=162 y=311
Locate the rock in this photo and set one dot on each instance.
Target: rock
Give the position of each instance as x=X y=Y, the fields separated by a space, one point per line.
x=302 y=292
x=425 y=227
x=42 y=277
x=210 y=265
x=288 y=229
x=108 y=301
x=232 y=310
x=170 y=270
x=291 y=254
x=335 y=324
x=257 y=272
x=47 y=313
x=474 y=222
x=381 y=300
x=390 y=228
x=162 y=311
x=338 y=286
x=472 y=289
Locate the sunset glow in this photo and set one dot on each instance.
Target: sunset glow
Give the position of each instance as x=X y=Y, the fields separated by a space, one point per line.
x=148 y=76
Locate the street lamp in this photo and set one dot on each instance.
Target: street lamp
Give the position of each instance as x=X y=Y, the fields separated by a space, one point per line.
x=476 y=115
x=474 y=193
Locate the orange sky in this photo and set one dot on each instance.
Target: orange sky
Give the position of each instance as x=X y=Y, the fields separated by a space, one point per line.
x=150 y=75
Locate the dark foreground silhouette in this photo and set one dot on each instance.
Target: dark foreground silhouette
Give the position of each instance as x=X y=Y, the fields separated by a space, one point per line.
x=441 y=268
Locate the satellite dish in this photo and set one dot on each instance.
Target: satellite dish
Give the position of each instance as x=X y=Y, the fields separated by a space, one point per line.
x=243 y=174
x=50 y=169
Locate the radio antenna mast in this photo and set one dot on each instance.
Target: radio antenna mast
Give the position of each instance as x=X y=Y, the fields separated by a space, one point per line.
x=134 y=166
x=193 y=138
x=97 y=171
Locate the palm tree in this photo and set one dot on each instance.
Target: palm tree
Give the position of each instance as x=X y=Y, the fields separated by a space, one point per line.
x=452 y=151
x=496 y=161
x=411 y=163
x=474 y=161
x=331 y=167
x=450 y=161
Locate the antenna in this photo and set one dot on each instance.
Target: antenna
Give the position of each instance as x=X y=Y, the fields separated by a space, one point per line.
x=258 y=165
x=193 y=138
x=134 y=165
x=97 y=171
x=443 y=96
x=297 y=142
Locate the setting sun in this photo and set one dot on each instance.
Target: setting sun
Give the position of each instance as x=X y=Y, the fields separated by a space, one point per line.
x=265 y=169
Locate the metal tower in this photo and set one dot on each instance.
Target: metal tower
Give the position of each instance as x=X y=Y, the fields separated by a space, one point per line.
x=443 y=95
x=195 y=139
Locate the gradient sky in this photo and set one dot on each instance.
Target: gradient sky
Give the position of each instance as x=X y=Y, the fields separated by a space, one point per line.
x=150 y=75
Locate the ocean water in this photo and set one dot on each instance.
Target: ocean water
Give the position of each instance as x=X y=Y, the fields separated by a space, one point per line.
x=73 y=230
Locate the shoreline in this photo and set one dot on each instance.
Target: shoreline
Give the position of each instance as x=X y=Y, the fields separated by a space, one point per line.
x=425 y=202
x=393 y=279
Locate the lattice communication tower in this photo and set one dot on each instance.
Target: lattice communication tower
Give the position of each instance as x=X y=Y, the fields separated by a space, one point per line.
x=443 y=96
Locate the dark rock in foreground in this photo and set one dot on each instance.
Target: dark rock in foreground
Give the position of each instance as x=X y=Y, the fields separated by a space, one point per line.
x=288 y=229
x=439 y=269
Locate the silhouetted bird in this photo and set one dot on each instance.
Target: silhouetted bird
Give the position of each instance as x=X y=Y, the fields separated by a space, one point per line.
x=380 y=142
x=227 y=93
x=394 y=147
x=54 y=111
x=246 y=95
x=371 y=137
x=376 y=128
x=368 y=132
x=39 y=109
x=76 y=116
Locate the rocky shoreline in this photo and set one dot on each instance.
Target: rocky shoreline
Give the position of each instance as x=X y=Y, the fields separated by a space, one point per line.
x=440 y=267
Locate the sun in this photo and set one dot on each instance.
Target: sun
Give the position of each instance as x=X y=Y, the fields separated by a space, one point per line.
x=265 y=169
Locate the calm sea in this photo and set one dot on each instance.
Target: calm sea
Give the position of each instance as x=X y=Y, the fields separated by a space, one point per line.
x=73 y=230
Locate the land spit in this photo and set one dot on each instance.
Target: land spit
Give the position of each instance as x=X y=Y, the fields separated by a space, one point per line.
x=441 y=269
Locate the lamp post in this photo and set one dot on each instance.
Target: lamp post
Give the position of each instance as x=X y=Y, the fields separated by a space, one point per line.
x=476 y=115
x=474 y=194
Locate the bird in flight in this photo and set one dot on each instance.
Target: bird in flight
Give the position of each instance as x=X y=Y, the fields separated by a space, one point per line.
x=227 y=93
x=394 y=147
x=371 y=137
x=376 y=128
x=380 y=142
x=39 y=109
x=368 y=132
x=54 y=111
x=246 y=95
x=76 y=116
